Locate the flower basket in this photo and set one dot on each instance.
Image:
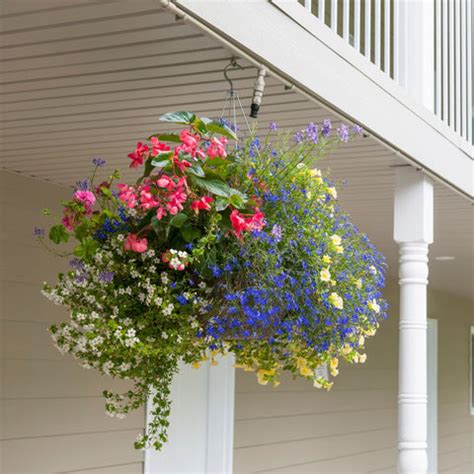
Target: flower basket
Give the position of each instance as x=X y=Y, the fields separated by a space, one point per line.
x=218 y=247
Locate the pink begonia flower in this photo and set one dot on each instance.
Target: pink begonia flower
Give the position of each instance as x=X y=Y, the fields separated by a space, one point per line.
x=166 y=182
x=134 y=243
x=158 y=147
x=127 y=195
x=240 y=223
x=160 y=213
x=202 y=204
x=147 y=199
x=188 y=138
x=69 y=221
x=217 y=147
x=85 y=197
x=138 y=155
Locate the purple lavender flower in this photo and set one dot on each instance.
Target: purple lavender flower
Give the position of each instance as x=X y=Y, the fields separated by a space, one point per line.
x=298 y=137
x=312 y=132
x=343 y=133
x=76 y=264
x=83 y=185
x=106 y=277
x=326 y=128
x=38 y=232
x=98 y=162
x=276 y=232
x=273 y=127
x=358 y=130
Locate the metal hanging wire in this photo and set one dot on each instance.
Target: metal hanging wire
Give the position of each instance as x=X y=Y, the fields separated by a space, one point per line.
x=232 y=104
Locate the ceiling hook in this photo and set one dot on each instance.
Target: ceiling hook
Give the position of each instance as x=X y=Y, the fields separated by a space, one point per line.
x=232 y=65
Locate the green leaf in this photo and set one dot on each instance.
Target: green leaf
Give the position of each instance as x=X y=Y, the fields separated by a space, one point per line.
x=200 y=126
x=178 y=117
x=178 y=220
x=237 y=201
x=87 y=248
x=214 y=186
x=221 y=203
x=166 y=137
x=221 y=129
x=196 y=169
x=82 y=231
x=190 y=233
x=58 y=234
x=161 y=163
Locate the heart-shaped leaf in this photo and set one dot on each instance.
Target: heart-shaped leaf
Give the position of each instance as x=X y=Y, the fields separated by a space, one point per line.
x=221 y=129
x=196 y=169
x=166 y=137
x=214 y=186
x=178 y=220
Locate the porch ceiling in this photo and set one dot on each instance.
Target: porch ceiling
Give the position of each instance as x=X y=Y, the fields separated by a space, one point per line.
x=84 y=78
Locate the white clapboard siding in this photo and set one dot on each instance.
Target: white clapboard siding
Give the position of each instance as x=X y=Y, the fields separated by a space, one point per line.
x=51 y=409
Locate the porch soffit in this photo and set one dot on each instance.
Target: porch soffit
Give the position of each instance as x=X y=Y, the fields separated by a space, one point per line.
x=82 y=78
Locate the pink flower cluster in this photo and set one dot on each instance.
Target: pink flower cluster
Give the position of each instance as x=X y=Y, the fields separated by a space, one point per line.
x=246 y=222
x=72 y=218
x=135 y=243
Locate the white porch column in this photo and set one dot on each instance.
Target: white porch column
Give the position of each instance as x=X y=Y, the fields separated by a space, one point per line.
x=201 y=422
x=413 y=231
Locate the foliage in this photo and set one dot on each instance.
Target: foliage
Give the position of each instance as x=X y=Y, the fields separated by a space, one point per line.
x=215 y=249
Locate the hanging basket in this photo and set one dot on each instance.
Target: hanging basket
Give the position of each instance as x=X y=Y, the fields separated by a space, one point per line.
x=215 y=249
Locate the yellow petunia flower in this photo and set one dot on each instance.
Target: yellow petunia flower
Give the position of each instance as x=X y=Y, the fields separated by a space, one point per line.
x=339 y=249
x=335 y=239
x=336 y=300
x=373 y=305
x=327 y=259
x=306 y=371
x=196 y=365
x=332 y=192
x=325 y=275
x=358 y=284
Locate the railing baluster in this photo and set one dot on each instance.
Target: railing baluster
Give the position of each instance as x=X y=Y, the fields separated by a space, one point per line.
x=357 y=25
x=451 y=65
x=334 y=15
x=464 y=59
x=386 y=43
x=457 y=61
x=469 y=70
x=322 y=10
x=445 y=64
x=396 y=40
x=368 y=29
x=438 y=58
x=378 y=39
x=346 y=13
x=308 y=4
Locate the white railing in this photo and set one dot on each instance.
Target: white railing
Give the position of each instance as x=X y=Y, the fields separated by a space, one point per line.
x=377 y=30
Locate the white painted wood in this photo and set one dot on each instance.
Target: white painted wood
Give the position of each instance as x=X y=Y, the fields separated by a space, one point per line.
x=307 y=4
x=201 y=422
x=438 y=65
x=413 y=231
x=432 y=390
x=357 y=25
x=334 y=15
x=417 y=54
x=377 y=32
x=444 y=61
x=470 y=86
x=471 y=371
x=396 y=41
x=457 y=59
x=463 y=77
x=346 y=15
x=330 y=83
x=387 y=41
x=451 y=65
x=322 y=10
x=368 y=29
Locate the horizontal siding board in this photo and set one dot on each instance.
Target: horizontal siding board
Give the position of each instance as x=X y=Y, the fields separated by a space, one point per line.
x=129 y=468
x=70 y=452
x=289 y=454
x=54 y=379
x=253 y=432
x=35 y=418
